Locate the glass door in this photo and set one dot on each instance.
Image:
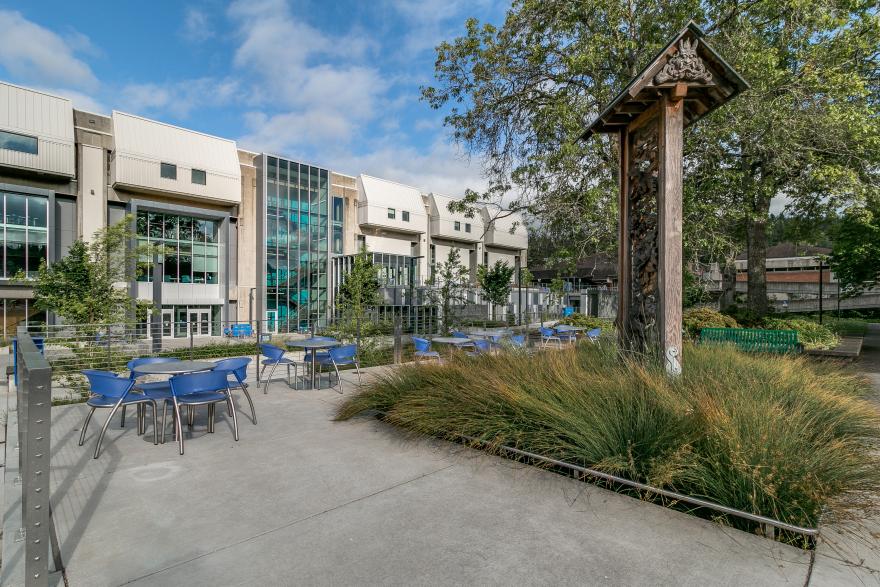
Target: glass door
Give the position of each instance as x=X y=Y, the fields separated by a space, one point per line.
x=204 y=322
x=167 y=322
x=272 y=321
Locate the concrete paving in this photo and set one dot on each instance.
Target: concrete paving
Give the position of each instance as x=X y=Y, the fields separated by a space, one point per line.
x=303 y=500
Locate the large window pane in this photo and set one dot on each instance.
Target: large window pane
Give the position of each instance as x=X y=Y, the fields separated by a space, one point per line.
x=198 y=263
x=16 y=209
x=212 y=229
x=142 y=223
x=186 y=228
x=185 y=263
x=16 y=253
x=37 y=213
x=171 y=262
x=170 y=226
x=156 y=226
x=16 y=142
x=212 y=263
x=36 y=250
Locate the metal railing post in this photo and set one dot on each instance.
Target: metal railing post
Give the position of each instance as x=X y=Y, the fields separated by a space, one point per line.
x=34 y=405
x=257 y=358
x=398 y=340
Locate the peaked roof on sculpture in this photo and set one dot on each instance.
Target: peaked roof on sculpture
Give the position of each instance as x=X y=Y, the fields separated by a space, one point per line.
x=687 y=60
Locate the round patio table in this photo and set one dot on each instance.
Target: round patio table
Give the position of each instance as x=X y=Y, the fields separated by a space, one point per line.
x=453 y=341
x=314 y=346
x=175 y=367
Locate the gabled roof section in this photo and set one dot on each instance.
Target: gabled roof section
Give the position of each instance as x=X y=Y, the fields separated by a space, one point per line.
x=688 y=59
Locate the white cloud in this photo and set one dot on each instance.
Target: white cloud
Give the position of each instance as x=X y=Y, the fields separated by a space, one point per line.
x=196 y=26
x=36 y=55
x=309 y=87
x=432 y=21
x=177 y=98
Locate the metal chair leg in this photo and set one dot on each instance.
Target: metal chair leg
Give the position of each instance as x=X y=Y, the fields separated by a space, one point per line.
x=82 y=434
x=250 y=402
x=234 y=422
x=211 y=410
x=105 y=426
x=179 y=427
x=122 y=419
x=164 y=418
x=190 y=417
x=155 y=423
x=338 y=377
x=271 y=373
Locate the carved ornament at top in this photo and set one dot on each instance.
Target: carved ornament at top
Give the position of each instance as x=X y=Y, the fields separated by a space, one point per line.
x=684 y=66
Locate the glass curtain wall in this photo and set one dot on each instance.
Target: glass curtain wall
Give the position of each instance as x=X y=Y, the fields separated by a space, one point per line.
x=297 y=248
x=192 y=250
x=25 y=231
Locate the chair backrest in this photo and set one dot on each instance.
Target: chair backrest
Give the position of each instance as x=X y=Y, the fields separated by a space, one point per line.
x=271 y=352
x=135 y=363
x=482 y=345
x=547 y=332
x=237 y=366
x=345 y=352
x=594 y=333
x=107 y=384
x=190 y=383
x=458 y=334
x=423 y=345
x=518 y=340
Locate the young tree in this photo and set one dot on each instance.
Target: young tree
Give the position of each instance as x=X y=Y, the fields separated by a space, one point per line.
x=496 y=284
x=89 y=285
x=448 y=287
x=358 y=292
x=520 y=94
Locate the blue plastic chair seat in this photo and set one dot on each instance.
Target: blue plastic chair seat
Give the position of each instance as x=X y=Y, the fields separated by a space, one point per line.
x=202 y=397
x=103 y=401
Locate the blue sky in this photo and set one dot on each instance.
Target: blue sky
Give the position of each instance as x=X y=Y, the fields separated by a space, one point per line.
x=333 y=83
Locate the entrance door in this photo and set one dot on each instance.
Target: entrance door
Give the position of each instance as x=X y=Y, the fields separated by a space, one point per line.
x=167 y=322
x=272 y=321
x=200 y=322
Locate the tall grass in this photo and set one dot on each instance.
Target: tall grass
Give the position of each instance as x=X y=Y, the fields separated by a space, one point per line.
x=775 y=436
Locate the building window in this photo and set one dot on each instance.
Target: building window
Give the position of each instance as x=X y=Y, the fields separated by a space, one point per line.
x=17 y=142
x=199 y=177
x=168 y=170
x=25 y=233
x=467 y=227
x=457 y=225
x=338 y=217
x=392 y=213
x=404 y=216
x=192 y=251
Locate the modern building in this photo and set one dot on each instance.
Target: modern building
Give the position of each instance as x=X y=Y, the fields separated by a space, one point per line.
x=245 y=236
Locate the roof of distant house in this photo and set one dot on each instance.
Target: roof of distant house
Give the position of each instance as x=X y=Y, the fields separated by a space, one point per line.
x=596 y=267
x=785 y=250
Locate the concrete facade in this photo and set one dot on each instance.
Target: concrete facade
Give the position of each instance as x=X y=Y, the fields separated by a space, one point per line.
x=91 y=170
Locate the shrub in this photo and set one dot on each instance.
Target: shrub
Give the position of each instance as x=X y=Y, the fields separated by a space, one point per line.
x=585 y=321
x=776 y=436
x=810 y=334
x=696 y=319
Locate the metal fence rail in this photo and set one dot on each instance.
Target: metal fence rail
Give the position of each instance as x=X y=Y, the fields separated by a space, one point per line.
x=27 y=525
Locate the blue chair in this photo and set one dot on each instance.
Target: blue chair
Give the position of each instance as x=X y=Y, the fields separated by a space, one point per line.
x=237 y=368
x=459 y=334
x=547 y=336
x=481 y=347
x=568 y=336
x=593 y=335
x=423 y=349
x=518 y=341
x=274 y=357
x=109 y=391
x=341 y=356
x=200 y=389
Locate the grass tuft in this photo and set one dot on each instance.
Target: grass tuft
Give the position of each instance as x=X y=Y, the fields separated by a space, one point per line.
x=772 y=435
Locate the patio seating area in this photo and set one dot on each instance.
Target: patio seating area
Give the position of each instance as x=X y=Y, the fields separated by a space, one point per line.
x=300 y=498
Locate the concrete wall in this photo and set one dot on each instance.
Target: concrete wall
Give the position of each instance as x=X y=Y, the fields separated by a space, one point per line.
x=248 y=246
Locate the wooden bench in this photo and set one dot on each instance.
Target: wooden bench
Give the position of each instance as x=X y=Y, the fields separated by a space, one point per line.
x=755 y=340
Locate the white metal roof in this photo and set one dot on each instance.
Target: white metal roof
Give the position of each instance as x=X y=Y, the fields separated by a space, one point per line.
x=385 y=193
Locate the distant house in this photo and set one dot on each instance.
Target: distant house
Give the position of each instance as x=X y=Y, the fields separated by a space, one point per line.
x=789 y=263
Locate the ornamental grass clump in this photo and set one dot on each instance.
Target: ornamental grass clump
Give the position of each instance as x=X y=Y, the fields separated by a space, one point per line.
x=775 y=436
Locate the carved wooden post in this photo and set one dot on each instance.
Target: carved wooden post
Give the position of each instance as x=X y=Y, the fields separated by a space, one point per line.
x=683 y=83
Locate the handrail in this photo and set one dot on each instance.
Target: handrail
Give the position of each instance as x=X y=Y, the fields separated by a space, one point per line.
x=664 y=492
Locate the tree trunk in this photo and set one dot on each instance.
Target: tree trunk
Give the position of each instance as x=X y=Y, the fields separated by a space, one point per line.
x=728 y=285
x=756 y=241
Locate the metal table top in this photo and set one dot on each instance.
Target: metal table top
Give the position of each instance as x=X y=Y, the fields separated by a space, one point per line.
x=452 y=340
x=309 y=343
x=174 y=368
x=565 y=327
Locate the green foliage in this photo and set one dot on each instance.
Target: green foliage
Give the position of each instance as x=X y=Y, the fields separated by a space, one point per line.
x=776 y=436
x=856 y=256
x=810 y=334
x=81 y=288
x=448 y=287
x=585 y=321
x=696 y=319
x=526 y=277
x=496 y=283
x=694 y=291
x=519 y=94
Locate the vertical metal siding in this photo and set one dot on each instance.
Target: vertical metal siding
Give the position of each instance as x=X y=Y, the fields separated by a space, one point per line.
x=49 y=118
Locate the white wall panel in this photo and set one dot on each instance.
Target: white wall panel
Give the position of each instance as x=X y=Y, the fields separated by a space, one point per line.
x=47 y=117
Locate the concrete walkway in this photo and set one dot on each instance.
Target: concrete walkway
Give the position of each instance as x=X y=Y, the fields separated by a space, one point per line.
x=303 y=500
x=848 y=553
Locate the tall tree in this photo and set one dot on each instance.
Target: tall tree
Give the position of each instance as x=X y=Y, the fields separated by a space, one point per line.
x=358 y=292
x=856 y=256
x=518 y=95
